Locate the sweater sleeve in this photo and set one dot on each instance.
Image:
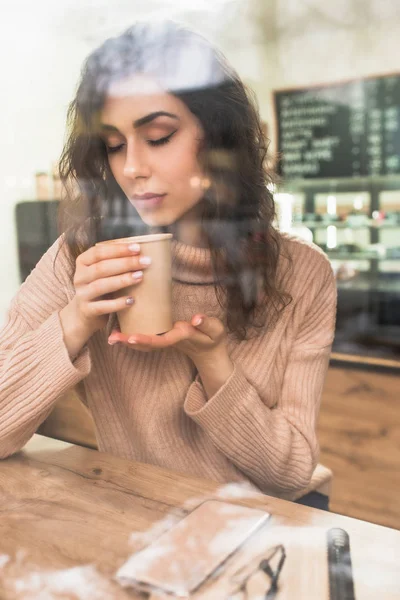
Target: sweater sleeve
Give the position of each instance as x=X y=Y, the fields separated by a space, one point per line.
x=277 y=447
x=35 y=367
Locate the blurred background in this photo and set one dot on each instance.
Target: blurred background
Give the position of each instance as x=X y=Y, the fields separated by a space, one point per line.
x=327 y=80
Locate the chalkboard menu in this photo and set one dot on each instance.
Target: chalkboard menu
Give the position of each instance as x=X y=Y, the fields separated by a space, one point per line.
x=346 y=129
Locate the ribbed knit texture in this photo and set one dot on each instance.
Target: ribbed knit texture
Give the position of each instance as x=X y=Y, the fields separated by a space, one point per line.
x=260 y=425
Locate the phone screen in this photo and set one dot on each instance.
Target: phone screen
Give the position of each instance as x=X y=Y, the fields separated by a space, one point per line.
x=186 y=555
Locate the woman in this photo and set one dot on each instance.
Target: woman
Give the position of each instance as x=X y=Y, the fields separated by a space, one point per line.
x=161 y=123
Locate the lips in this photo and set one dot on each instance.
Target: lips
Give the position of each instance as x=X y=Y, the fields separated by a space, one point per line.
x=148 y=196
x=148 y=200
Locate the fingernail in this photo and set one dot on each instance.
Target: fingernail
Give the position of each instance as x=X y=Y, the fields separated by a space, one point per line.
x=134 y=247
x=198 y=321
x=129 y=300
x=112 y=342
x=137 y=275
x=145 y=260
x=132 y=341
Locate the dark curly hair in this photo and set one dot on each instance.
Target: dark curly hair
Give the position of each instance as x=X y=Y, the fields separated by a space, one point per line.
x=237 y=210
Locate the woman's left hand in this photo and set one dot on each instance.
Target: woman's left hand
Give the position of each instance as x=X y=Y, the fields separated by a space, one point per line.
x=199 y=338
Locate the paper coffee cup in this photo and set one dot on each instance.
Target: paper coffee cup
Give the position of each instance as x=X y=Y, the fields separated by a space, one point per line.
x=151 y=313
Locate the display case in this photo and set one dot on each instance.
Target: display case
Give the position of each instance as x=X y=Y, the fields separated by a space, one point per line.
x=356 y=221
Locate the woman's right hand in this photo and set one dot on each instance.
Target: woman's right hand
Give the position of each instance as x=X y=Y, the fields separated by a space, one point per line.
x=100 y=271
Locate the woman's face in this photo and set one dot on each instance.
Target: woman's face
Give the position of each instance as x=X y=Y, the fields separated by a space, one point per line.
x=152 y=140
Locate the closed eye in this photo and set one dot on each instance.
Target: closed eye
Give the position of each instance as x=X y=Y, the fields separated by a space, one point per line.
x=112 y=149
x=159 y=142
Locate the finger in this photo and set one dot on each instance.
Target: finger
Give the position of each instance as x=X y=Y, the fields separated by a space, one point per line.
x=109 y=268
x=102 y=251
x=210 y=326
x=107 y=285
x=115 y=331
x=106 y=307
x=116 y=337
x=159 y=341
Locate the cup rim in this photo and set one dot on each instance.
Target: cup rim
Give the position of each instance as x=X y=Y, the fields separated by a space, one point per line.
x=152 y=237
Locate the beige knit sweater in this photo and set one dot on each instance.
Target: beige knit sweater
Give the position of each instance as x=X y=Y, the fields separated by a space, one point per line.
x=260 y=425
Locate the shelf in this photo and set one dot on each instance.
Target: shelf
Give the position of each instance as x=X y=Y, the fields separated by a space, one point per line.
x=358 y=256
x=369 y=286
x=342 y=225
x=332 y=185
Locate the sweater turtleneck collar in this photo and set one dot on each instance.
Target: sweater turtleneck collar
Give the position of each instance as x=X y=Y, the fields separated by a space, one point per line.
x=191 y=264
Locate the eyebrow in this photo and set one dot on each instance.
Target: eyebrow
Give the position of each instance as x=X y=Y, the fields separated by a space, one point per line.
x=142 y=121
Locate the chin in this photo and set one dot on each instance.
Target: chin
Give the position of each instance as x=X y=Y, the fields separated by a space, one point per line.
x=164 y=217
x=158 y=220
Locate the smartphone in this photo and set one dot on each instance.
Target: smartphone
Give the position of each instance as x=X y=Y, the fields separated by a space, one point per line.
x=182 y=558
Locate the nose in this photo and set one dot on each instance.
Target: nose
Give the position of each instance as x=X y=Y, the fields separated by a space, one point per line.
x=136 y=164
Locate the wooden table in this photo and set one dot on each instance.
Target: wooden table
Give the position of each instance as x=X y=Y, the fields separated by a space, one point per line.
x=70 y=517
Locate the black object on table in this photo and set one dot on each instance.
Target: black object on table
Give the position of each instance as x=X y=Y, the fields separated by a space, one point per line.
x=341 y=585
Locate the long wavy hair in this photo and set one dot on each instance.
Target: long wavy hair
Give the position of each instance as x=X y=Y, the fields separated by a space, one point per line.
x=238 y=208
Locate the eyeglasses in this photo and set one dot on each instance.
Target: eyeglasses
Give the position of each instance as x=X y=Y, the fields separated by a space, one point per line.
x=242 y=580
